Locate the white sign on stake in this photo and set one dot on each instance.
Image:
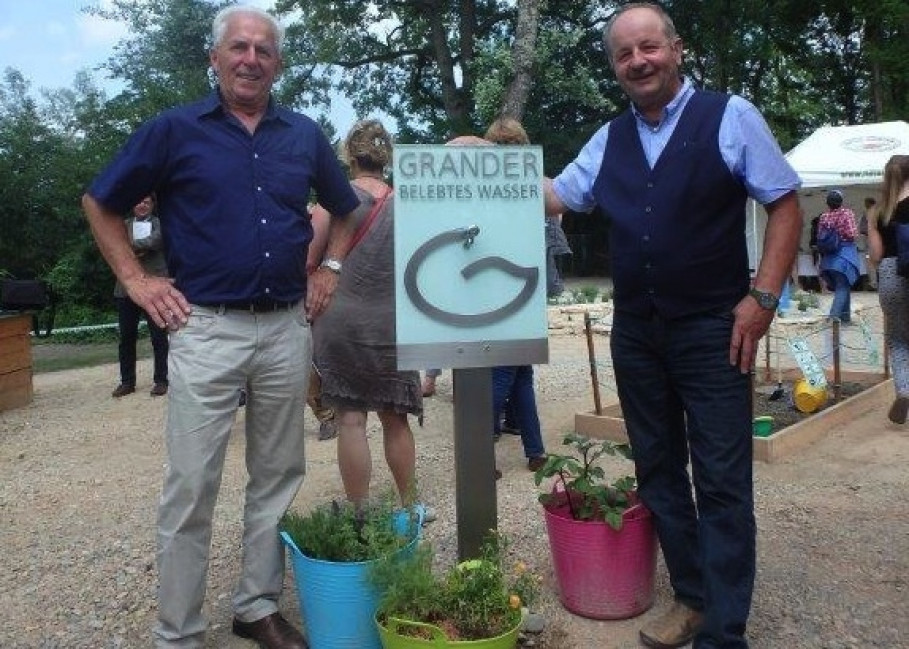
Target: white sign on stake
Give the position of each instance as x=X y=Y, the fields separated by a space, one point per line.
x=807 y=362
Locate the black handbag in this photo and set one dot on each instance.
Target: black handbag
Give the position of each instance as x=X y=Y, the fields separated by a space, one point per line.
x=23 y=295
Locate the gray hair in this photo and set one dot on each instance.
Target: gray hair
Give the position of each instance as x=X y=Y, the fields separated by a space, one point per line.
x=668 y=26
x=219 y=24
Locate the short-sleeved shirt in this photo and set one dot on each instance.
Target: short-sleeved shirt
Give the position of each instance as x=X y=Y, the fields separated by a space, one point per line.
x=232 y=204
x=746 y=144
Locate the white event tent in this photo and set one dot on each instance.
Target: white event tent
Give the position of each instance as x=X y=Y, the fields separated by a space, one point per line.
x=848 y=158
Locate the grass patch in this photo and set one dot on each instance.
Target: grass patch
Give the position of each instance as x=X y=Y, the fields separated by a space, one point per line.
x=50 y=356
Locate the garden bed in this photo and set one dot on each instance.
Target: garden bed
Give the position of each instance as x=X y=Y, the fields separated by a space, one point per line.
x=790 y=430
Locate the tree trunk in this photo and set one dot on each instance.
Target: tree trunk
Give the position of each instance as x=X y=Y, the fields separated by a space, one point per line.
x=525 y=44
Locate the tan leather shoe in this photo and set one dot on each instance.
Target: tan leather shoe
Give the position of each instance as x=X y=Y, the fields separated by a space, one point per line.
x=674 y=628
x=271 y=632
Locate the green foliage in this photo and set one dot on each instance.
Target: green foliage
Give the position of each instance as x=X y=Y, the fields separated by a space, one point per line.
x=472 y=600
x=583 y=482
x=586 y=294
x=341 y=532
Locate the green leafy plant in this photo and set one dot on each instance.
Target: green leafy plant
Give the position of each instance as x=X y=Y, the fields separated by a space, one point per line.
x=473 y=600
x=587 y=294
x=341 y=532
x=589 y=495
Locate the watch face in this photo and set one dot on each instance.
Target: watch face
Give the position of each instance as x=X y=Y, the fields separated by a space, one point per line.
x=766 y=300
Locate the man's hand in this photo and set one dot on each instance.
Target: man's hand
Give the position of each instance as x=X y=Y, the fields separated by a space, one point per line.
x=320 y=286
x=165 y=304
x=751 y=323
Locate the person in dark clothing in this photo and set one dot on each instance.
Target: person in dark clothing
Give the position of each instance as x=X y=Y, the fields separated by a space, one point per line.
x=144 y=230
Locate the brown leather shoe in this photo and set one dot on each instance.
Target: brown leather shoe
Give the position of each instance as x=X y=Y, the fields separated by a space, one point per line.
x=122 y=390
x=536 y=463
x=271 y=632
x=899 y=410
x=674 y=628
x=159 y=390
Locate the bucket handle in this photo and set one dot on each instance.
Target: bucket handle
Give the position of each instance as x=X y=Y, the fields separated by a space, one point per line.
x=438 y=635
x=289 y=542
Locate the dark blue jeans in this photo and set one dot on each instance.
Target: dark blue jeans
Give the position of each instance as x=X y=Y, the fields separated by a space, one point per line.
x=128 y=314
x=514 y=383
x=681 y=398
x=842 y=297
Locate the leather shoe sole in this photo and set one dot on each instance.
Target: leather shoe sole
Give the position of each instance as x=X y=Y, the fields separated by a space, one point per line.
x=271 y=632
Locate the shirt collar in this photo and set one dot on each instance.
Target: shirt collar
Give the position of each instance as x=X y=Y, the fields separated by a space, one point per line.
x=212 y=105
x=672 y=108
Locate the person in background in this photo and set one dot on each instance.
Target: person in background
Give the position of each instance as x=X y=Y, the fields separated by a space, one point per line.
x=839 y=269
x=144 y=231
x=556 y=246
x=233 y=174
x=355 y=338
x=512 y=385
x=674 y=173
x=428 y=387
x=892 y=288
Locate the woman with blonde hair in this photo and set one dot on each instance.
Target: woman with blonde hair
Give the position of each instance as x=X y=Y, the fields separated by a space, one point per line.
x=354 y=340
x=892 y=288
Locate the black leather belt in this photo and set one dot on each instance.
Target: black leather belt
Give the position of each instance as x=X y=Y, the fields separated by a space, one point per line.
x=262 y=305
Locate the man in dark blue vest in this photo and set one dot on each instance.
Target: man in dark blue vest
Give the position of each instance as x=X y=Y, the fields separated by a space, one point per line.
x=673 y=174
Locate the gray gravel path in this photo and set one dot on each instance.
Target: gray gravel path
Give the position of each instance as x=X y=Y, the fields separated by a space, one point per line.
x=80 y=475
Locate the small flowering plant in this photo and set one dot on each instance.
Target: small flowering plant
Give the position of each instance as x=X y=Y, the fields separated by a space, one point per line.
x=473 y=600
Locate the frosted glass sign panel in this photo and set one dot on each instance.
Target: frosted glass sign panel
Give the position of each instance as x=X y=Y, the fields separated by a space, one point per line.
x=470 y=278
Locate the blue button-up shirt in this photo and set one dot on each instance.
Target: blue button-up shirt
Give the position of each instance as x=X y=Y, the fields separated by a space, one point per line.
x=232 y=204
x=746 y=144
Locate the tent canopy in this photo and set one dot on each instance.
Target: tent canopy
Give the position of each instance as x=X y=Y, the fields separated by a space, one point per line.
x=848 y=158
x=841 y=156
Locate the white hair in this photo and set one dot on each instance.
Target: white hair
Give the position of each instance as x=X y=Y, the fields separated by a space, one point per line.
x=219 y=24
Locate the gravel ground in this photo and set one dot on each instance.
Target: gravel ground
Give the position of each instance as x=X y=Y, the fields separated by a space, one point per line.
x=81 y=474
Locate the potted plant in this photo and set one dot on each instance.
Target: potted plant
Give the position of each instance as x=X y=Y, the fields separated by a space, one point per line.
x=477 y=603
x=601 y=537
x=332 y=547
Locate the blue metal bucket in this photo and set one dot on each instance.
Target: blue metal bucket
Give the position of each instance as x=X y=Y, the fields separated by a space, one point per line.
x=337 y=602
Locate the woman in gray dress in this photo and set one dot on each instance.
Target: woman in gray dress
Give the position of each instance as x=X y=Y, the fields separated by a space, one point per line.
x=354 y=339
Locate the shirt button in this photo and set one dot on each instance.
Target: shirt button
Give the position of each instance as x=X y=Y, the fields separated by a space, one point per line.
x=256 y=156
x=648 y=209
x=267 y=290
x=267 y=254
x=258 y=189
x=650 y=185
x=264 y=221
x=645 y=238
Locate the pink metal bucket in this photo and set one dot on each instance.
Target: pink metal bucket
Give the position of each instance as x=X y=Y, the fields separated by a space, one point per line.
x=603 y=573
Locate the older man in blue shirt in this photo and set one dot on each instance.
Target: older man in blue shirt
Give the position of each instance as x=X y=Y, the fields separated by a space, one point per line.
x=673 y=174
x=233 y=174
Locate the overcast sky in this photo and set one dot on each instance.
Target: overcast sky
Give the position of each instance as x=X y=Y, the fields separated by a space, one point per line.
x=49 y=41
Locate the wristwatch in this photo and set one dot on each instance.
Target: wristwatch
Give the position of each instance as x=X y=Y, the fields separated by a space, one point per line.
x=766 y=300
x=331 y=264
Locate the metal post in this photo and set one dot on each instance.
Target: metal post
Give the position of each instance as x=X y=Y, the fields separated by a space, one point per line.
x=837 y=380
x=475 y=482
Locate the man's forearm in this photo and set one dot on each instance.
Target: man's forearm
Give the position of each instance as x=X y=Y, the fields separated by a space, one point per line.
x=781 y=241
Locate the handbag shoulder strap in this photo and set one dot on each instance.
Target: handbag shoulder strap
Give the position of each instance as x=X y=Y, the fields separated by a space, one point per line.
x=367 y=222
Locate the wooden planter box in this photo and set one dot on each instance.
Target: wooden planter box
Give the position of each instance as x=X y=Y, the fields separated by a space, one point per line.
x=610 y=425
x=15 y=361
